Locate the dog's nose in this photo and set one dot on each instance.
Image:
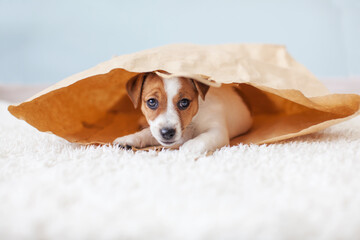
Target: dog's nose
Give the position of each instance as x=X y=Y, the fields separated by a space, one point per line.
x=167 y=133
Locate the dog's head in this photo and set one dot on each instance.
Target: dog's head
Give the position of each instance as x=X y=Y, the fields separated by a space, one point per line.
x=168 y=104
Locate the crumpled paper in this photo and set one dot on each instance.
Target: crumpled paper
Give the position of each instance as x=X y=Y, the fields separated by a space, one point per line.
x=286 y=100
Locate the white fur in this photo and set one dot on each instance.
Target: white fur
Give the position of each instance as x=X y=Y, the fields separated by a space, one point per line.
x=222 y=116
x=170 y=118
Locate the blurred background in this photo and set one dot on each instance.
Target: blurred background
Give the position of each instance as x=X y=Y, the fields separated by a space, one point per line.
x=44 y=41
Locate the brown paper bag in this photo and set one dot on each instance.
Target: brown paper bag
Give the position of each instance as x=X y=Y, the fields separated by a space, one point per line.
x=285 y=99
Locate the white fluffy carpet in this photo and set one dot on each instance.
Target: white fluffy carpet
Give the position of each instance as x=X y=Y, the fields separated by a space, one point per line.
x=307 y=188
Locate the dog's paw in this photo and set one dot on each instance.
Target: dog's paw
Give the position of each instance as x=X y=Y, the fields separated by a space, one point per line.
x=194 y=146
x=127 y=142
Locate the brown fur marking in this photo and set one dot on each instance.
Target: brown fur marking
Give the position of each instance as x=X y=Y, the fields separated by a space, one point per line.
x=153 y=88
x=188 y=91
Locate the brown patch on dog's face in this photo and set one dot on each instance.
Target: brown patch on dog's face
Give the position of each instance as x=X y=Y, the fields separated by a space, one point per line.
x=189 y=92
x=153 y=88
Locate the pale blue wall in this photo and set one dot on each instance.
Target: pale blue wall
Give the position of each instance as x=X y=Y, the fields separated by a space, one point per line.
x=45 y=41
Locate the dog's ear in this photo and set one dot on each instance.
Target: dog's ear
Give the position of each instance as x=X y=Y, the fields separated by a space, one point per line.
x=134 y=88
x=201 y=88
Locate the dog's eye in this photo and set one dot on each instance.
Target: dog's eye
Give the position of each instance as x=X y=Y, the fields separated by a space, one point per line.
x=183 y=104
x=152 y=103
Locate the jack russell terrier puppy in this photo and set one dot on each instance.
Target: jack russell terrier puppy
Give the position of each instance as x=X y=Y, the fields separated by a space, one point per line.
x=178 y=113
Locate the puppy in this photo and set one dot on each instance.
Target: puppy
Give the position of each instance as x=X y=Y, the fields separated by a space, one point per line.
x=186 y=113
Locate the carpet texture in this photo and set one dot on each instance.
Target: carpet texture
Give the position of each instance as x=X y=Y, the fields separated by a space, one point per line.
x=305 y=188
